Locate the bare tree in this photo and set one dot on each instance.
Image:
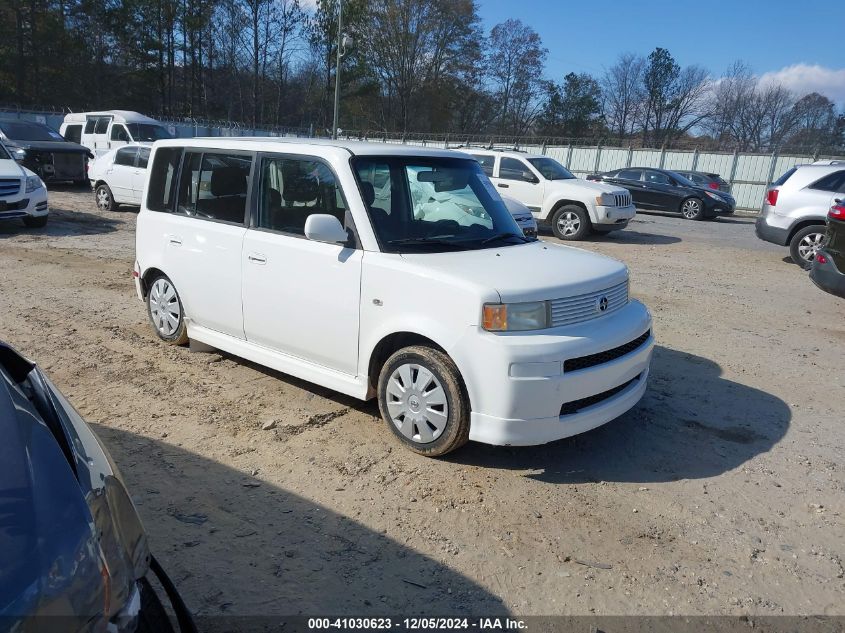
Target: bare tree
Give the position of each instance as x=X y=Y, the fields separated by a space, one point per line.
x=622 y=94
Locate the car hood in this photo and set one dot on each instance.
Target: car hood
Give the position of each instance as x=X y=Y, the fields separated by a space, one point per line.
x=585 y=187
x=55 y=147
x=535 y=271
x=10 y=169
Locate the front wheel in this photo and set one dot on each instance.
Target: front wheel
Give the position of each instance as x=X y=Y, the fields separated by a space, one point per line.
x=692 y=209
x=571 y=222
x=164 y=308
x=421 y=398
x=805 y=244
x=104 y=198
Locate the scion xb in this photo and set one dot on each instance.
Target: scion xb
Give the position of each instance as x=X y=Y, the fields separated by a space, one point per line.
x=393 y=273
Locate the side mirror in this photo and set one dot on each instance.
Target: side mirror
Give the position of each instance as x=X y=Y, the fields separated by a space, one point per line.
x=527 y=176
x=19 y=154
x=321 y=227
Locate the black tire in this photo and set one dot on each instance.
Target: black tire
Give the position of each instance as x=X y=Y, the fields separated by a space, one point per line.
x=152 y=618
x=35 y=222
x=692 y=209
x=571 y=222
x=455 y=431
x=805 y=243
x=103 y=198
x=159 y=304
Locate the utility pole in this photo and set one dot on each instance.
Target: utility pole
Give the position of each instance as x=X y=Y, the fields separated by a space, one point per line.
x=337 y=72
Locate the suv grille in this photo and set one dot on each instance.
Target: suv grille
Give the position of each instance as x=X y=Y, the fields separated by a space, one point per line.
x=9 y=186
x=587 y=306
x=583 y=362
x=623 y=199
x=571 y=408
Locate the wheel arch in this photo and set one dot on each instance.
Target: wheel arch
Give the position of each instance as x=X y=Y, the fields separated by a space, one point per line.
x=562 y=202
x=804 y=223
x=147 y=276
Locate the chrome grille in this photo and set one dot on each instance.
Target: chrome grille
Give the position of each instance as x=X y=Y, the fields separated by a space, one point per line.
x=585 y=307
x=622 y=199
x=9 y=186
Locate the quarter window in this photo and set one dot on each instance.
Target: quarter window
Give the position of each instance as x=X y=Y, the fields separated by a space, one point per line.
x=294 y=188
x=213 y=186
x=162 y=187
x=126 y=156
x=832 y=182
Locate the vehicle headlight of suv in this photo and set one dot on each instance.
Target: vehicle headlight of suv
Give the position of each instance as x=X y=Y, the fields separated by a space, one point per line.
x=33 y=183
x=606 y=200
x=515 y=317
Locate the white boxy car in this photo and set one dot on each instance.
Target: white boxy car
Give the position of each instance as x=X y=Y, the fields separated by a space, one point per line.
x=393 y=273
x=573 y=207
x=22 y=193
x=117 y=177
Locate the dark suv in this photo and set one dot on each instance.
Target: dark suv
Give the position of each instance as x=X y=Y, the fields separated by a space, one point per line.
x=828 y=271
x=664 y=190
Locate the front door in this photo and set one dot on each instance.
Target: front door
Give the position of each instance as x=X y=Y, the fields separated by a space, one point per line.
x=660 y=191
x=300 y=297
x=515 y=179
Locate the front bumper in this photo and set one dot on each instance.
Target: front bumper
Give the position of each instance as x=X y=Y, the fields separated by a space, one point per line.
x=827 y=276
x=609 y=218
x=521 y=395
x=33 y=204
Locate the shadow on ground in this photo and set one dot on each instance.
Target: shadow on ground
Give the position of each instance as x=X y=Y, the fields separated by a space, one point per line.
x=237 y=546
x=691 y=424
x=62 y=223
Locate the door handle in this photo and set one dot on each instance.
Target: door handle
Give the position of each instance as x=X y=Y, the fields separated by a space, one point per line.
x=257 y=258
x=175 y=240
x=503 y=185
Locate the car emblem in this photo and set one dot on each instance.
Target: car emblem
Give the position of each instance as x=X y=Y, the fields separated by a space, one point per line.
x=602 y=304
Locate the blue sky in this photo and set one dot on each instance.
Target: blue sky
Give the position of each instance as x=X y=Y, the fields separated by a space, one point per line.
x=798 y=43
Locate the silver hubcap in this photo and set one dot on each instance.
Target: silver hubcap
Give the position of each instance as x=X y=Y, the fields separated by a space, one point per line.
x=568 y=223
x=810 y=245
x=691 y=208
x=416 y=403
x=102 y=198
x=164 y=307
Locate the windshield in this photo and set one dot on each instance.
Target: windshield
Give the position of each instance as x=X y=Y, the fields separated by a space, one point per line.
x=683 y=181
x=433 y=204
x=551 y=169
x=25 y=131
x=147 y=132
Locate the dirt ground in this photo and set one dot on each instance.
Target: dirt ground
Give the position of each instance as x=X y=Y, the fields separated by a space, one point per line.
x=721 y=493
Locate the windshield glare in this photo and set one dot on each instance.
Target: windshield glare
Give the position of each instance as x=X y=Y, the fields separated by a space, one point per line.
x=433 y=204
x=551 y=169
x=147 y=132
x=29 y=132
x=682 y=180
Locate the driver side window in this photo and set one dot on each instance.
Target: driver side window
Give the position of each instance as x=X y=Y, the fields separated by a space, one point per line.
x=513 y=169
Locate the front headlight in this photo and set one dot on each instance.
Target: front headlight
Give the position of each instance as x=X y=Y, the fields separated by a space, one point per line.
x=715 y=196
x=18 y=153
x=33 y=183
x=515 y=317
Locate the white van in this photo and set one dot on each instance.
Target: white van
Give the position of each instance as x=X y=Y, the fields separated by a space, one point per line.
x=110 y=129
x=388 y=272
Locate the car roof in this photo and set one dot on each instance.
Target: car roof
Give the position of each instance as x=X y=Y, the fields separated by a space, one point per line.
x=120 y=116
x=511 y=153
x=272 y=143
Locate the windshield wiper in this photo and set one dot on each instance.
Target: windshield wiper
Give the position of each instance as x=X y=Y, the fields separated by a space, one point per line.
x=501 y=236
x=428 y=240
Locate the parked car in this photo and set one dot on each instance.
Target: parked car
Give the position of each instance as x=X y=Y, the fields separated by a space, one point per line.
x=22 y=193
x=828 y=271
x=573 y=207
x=664 y=190
x=117 y=177
x=326 y=261
x=522 y=216
x=73 y=553
x=43 y=150
x=795 y=209
x=106 y=130
x=704 y=179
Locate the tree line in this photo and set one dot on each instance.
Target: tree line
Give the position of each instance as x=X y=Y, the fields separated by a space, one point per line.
x=416 y=66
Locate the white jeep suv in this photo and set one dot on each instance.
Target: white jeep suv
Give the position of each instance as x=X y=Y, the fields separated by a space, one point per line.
x=388 y=272
x=572 y=206
x=22 y=193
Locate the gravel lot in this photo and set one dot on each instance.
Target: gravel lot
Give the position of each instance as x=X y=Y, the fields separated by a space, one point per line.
x=721 y=493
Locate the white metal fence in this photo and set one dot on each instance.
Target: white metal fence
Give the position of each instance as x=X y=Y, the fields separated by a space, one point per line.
x=748 y=174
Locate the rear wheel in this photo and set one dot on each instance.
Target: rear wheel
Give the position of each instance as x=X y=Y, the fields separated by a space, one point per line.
x=692 y=209
x=805 y=244
x=421 y=398
x=104 y=198
x=571 y=222
x=164 y=308
x=35 y=222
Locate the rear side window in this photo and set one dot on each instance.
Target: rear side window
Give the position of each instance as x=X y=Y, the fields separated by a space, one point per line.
x=630 y=174
x=89 y=125
x=832 y=182
x=294 y=188
x=161 y=191
x=73 y=133
x=657 y=178
x=486 y=163
x=213 y=186
x=780 y=181
x=126 y=156
x=143 y=157
x=102 y=125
